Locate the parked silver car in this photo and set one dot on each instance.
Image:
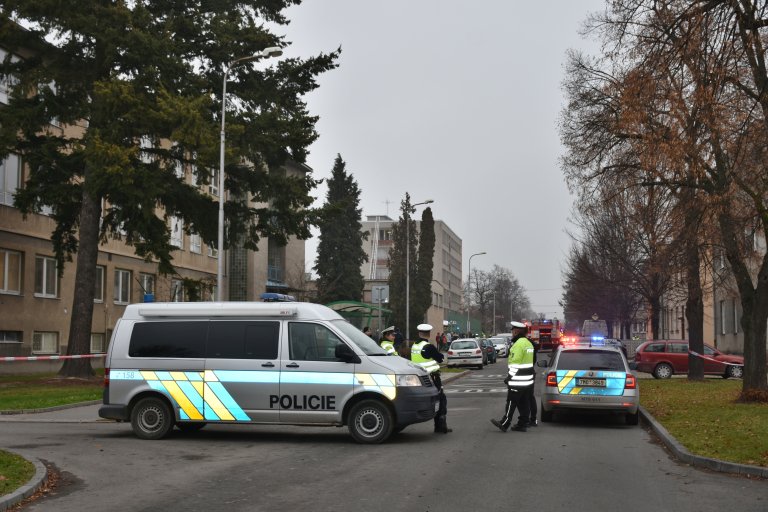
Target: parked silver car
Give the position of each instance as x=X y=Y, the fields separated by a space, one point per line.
x=465 y=352
x=501 y=346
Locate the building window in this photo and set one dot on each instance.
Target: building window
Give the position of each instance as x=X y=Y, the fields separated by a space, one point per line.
x=177 y=290
x=46 y=278
x=147 y=282
x=10 y=178
x=10 y=336
x=10 y=272
x=177 y=232
x=213 y=188
x=98 y=285
x=213 y=252
x=385 y=234
x=722 y=317
x=122 y=286
x=145 y=154
x=195 y=243
x=45 y=343
x=97 y=343
x=7 y=82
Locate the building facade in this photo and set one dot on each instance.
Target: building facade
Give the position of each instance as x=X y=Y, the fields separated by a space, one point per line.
x=447 y=284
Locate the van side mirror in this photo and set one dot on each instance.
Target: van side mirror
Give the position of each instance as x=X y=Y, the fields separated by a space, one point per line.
x=344 y=353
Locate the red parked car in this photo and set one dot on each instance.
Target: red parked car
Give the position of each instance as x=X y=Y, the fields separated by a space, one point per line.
x=664 y=358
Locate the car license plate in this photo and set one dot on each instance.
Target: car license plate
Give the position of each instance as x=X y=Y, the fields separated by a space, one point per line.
x=590 y=383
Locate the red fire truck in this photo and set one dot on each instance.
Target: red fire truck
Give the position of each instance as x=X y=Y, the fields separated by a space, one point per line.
x=546 y=332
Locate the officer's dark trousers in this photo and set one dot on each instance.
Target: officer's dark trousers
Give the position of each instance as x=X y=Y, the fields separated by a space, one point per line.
x=441 y=424
x=516 y=398
x=531 y=404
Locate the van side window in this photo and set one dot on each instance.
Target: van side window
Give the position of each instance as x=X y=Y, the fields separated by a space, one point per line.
x=168 y=339
x=242 y=340
x=312 y=342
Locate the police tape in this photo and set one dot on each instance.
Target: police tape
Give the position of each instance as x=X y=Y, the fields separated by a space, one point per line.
x=49 y=358
x=712 y=359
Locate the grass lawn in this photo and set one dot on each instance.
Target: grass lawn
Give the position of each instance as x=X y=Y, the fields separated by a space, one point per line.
x=15 y=471
x=40 y=391
x=704 y=417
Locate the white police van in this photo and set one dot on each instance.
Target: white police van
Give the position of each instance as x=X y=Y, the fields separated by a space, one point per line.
x=189 y=364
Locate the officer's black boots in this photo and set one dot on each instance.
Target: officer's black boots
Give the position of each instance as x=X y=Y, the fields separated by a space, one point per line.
x=441 y=425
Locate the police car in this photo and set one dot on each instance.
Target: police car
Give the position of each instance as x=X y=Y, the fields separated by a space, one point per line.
x=590 y=375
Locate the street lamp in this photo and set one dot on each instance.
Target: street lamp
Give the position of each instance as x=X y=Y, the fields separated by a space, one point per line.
x=469 y=286
x=272 y=51
x=408 y=213
x=494 y=312
x=380 y=289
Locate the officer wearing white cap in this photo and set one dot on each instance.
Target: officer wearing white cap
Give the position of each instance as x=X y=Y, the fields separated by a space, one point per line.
x=519 y=380
x=387 y=341
x=426 y=355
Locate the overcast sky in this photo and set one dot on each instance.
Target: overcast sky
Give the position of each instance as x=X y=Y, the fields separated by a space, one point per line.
x=457 y=102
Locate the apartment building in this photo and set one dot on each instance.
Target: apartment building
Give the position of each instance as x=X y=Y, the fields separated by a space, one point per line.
x=447 y=285
x=35 y=303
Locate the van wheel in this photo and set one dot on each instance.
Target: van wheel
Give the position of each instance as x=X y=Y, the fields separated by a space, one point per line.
x=151 y=418
x=662 y=371
x=190 y=426
x=370 y=422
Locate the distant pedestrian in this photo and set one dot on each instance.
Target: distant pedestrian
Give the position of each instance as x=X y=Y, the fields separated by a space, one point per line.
x=367 y=331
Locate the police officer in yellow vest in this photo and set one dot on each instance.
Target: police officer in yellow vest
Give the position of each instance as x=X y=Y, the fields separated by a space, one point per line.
x=387 y=341
x=428 y=356
x=519 y=380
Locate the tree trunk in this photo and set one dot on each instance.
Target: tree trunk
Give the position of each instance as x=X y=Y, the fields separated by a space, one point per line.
x=694 y=312
x=655 y=314
x=85 y=277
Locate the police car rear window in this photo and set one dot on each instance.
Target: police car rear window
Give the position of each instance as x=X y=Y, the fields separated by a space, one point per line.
x=590 y=360
x=168 y=339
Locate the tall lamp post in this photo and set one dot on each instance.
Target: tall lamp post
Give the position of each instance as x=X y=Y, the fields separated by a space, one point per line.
x=272 y=51
x=469 y=287
x=380 y=289
x=408 y=265
x=494 y=312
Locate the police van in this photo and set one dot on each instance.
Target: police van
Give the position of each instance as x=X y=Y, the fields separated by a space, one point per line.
x=189 y=364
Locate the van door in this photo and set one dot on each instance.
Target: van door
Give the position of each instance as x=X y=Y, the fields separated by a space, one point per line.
x=242 y=370
x=314 y=385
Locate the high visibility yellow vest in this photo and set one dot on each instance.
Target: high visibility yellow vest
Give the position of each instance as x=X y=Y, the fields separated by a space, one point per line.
x=428 y=364
x=389 y=346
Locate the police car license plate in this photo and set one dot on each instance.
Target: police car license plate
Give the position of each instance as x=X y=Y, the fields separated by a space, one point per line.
x=590 y=383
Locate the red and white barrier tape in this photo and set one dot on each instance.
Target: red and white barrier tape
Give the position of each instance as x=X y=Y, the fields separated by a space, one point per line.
x=47 y=358
x=713 y=360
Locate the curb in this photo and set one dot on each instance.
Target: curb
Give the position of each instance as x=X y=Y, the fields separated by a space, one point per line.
x=49 y=409
x=679 y=451
x=27 y=490
x=454 y=376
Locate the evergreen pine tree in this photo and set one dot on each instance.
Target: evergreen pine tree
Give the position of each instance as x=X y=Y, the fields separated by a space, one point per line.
x=340 y=253
x=116 y=74
x=421 y=287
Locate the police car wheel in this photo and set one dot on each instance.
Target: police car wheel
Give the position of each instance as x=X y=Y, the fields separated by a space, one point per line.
x=632 y=419
x=370 y=422
x=151 y=419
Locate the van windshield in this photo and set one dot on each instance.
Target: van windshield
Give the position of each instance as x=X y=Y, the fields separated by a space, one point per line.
x=364 y=342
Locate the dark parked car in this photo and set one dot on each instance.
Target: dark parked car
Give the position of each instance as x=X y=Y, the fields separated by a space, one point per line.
x=664 y=358
x=490 y=350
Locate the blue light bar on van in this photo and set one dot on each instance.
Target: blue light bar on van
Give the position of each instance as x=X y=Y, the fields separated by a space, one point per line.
x=212 y=311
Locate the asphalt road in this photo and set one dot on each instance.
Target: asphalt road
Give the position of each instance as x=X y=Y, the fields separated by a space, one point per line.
x=589 y=464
